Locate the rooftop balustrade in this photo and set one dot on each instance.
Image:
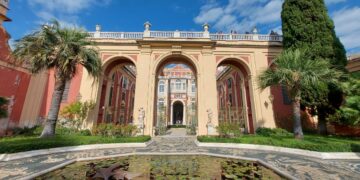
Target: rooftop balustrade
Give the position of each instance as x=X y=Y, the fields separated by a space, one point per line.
x=184 y=35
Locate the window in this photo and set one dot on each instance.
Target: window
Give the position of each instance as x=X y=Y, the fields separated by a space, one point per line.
x=111 y=90
x=178 y=84
x=125 y=81
x=193 y=86
x=161 y=103
x=161 y=86
x=229 y=83
x=230 y=99
x=184 y=86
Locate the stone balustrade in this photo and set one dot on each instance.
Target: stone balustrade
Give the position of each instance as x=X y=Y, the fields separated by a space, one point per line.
x=185 y=35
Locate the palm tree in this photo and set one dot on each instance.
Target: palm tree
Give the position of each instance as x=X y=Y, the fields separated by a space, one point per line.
x=63 y=50
x=299 y=74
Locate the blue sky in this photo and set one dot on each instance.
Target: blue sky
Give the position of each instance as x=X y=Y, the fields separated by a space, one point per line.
x=129 y=15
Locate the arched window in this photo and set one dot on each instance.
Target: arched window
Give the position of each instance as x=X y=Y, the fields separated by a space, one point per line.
x=178 y=84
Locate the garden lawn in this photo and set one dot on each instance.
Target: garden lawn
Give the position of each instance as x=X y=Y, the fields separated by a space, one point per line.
x=27 y=143
x=310 y=142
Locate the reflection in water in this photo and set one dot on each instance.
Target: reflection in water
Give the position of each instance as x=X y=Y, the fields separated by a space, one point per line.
x=163 y=167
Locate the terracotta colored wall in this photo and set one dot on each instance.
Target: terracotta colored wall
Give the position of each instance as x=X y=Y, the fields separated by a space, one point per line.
x=14 y=81
x=282 y=112
x=13 y=85
x=72 y=95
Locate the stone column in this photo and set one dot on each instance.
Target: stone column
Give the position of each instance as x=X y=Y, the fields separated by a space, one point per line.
x=143 y=93
x=207 y=90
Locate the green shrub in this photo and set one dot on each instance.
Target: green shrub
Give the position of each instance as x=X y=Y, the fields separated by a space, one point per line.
x=75 y=113
x=272 y=132
x=25 y=131
x=227 y=129
x=177 y=126
x=85 y=132
x=112 y=130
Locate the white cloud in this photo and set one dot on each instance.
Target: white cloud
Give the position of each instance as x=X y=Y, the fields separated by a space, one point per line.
x=330 y=2
x=347 y=26
x=240 y=15
x=66 y=11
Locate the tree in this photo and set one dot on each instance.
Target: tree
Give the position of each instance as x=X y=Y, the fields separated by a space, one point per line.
x=349 y=112
x=3 y=109
x=306 y=24
x=298 y=74
x=62 y=49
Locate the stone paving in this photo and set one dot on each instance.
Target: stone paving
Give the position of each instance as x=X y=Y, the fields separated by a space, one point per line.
x=298 y=166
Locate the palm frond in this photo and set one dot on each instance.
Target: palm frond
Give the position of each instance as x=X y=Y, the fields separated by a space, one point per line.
x=63 y=49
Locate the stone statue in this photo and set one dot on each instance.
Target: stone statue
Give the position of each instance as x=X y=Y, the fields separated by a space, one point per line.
x=210 y=126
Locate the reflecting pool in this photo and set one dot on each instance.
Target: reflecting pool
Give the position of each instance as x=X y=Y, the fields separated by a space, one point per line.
x=163 y=167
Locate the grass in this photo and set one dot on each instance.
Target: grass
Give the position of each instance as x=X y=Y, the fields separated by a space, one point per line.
x=310 y=142
x=27 y=143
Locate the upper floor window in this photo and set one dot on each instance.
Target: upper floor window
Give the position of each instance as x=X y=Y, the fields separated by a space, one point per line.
x=125 y=82
x=193 y=87
x=178 y=84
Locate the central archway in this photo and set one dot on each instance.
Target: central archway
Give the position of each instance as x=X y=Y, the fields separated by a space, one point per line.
x=175 y=101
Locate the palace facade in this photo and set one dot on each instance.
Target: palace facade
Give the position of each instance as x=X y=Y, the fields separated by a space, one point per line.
x=144 y=81
x=176 y=97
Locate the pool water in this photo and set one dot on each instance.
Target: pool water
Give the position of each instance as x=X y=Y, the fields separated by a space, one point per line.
x=164 y=167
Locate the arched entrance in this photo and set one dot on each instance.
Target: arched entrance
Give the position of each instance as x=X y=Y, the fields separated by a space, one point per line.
x=233 y=94
x=177 y=113
x=117 y=92
x=175 y=94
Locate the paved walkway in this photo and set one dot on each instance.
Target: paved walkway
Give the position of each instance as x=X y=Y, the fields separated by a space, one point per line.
x=298 y=166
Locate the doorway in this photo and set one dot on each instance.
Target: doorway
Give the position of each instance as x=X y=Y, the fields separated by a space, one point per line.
x=178 y=113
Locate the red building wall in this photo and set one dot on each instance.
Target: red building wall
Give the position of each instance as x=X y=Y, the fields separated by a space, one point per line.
x=14 y=83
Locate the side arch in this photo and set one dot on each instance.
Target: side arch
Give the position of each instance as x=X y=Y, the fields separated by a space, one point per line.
x=246 y=73
x=109 y=66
